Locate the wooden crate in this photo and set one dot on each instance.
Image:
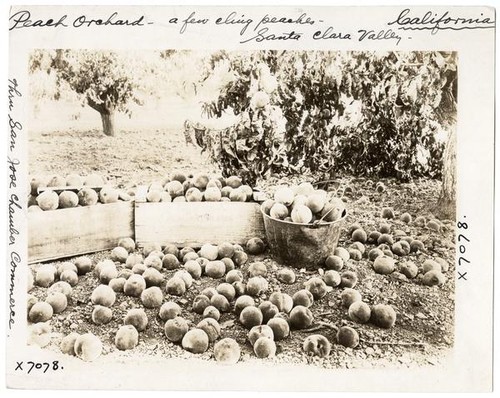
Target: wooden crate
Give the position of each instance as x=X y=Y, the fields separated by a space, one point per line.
x=80 y=230
x=195 y=223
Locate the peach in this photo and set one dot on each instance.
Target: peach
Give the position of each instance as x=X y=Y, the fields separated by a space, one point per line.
x=227 y=290
x=257 y=268
x=225 y=249
x=266 y=206
x=359 y=235
x=228 y=263
x=240 y=288
x=384 y=265
x=58 y=301
x=193 y=194
x=126 y=338
x=227 y=351
x=169 y=310
x=209 y=292
x=178 y=176
x=107 y=273
x=220 y=302
x=176 y=328
x=359 y=312
x=45 y=276
x=255 y=246
x=373 y=237
x=316 y=202
x=385 y=238
x=153 y=261
x=348 y=279
x=301 y=317
x=83 y=265
x=176 y=286
x=282 y=300
x=174 y=188
x=30 y=302
x=200 y=180
x=67 y=345
x=334 y=262
x=268 y=309
x=39 y=334
x=348 y=337
x=233 y=182
x=215 y=269
x=430 y=265
x=248 y=191
x=117 y=284
x=211 y=312
x=40 y=312
x=66 y=266
x=409 y=269
x=443 y=263
x=303 y=298
x=264 y=348
x=260 y=331
x=286 y=276
x=225 y=193
x=88 y=347
x=243 y=302
x=67 y=199
x=301 y=214
x=152 y=297
x=170 y=262
x=69 y=277
x=171 y=249
x=316 y=344
x=383 y=316
x=108 y=194
x=195 y=341
x=208 y=251
x=185 y=276
x=279 y=211
x=416 y=246
x=211 y=327
x=250 y=316
x=62 y=287
x=200 y=302
x=342 y=253
x=280 y=328
x=332 y=278
x=387 y=212
x=212 y=194
x=317 y=287
x=357 y=246
x=74 y=180
x=374 y=253
x=139 y=269
x=152 y=277
x=237 y=195
x=48 y=200
x=194 y=268
x=134 y=286
x=240 y=258
x=87 y=197
x=128 y=244
x=349 y=296
x=234 y=276
x=150 y=247
x=103 y=295
x=433 y=278
x=214 y=183
x=256 y=286
x=137 y=318
x=101 y=315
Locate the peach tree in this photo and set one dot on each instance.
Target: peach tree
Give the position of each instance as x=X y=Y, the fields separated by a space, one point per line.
x=107 y=81
x=365 y=113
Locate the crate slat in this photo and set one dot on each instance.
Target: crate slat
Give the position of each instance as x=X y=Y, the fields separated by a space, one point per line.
x=195 y=223
x=80 y=230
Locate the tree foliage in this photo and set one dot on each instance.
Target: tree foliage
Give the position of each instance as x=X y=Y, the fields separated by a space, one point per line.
x=366 y=113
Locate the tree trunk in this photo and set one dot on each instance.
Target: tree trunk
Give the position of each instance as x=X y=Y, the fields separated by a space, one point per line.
x=108 y=123
x=107 y=116
x=446 y=206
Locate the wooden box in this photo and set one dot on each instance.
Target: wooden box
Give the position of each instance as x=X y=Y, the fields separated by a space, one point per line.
x=195 y=223
x=80 y=230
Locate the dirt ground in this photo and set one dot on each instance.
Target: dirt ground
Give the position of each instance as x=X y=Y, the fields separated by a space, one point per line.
x=424 y=330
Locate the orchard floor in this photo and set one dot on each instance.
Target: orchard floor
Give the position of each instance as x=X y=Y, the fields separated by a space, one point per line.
x=424 y=331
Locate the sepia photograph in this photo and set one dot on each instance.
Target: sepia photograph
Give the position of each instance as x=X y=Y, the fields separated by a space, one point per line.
x=242 y=198
x=279 y=206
